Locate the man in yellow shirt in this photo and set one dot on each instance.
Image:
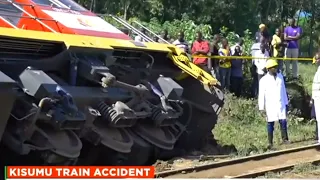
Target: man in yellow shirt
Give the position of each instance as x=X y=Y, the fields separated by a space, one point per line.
x=225 y=65
x=278 y=49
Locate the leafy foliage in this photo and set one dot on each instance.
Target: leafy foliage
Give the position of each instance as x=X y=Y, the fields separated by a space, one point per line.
x=237 y=15
x=189 y=27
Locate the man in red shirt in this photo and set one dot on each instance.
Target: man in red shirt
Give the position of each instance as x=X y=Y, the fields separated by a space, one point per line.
x=201 y=47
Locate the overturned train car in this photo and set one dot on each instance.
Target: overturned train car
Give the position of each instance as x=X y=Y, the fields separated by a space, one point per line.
x=76 y=90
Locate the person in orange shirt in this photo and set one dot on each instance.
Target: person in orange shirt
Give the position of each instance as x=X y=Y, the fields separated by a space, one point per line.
x=201 y=47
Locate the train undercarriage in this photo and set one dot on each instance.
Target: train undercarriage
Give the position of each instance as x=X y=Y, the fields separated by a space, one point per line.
x=74 y=108
x=71 y=99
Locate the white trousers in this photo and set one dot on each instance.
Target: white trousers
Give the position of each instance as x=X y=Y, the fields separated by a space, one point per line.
x=317 y=111
x=292 y=53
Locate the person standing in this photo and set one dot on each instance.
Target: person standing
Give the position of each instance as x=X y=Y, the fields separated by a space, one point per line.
x=215 y=52
x=164 y=36
x=225 y=65
x=139 y=38
x=316 y=95
x=263 y=34
x=236 y=73
x=201 y=47
x=254 y=85
x=260 y=63
x=238 y=44
x=258 y=34
x=156 y=39
x=292 y=34
x=278 y=48
x=273 y=101
x=182 y=43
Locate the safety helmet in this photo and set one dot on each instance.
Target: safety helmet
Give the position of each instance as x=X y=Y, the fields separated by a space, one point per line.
x=271 y=63
x=262 y=26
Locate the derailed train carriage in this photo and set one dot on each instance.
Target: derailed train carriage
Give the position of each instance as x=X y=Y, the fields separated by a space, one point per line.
x=75 y=89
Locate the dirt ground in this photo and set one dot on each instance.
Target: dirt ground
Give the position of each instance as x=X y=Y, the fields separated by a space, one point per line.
x=201 y=158
x=255 y=166
x=305 y=171
x=312 y=174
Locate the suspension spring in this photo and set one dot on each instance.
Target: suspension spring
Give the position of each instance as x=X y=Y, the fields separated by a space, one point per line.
x=108 y=112
x=157 y=114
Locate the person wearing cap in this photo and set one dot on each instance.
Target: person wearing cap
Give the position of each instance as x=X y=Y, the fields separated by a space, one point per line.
x=262 y=35
x=258 y=33
x=273 y=100
x=316 y=94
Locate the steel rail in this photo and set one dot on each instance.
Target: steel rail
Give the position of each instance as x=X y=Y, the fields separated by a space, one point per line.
x=275 y=170
x=237 y=161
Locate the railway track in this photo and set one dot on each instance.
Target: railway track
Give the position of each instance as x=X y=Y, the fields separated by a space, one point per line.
x=251 y=166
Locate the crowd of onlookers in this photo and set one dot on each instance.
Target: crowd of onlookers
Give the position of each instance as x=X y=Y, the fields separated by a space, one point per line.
x=267 y=73
x=229 y=71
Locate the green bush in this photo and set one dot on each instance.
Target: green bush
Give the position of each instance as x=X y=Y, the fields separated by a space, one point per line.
x=185 y=24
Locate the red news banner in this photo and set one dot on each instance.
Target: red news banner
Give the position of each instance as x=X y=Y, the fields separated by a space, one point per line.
x=83 y=172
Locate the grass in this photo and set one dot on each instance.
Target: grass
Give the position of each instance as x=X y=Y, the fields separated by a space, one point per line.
x=307 y=72
x=240 y=123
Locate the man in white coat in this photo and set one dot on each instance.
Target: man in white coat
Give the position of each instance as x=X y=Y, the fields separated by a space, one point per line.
x=316 y=94
x=273 y=100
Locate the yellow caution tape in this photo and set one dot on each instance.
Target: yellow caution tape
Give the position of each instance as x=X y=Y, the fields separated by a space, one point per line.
x=251 y=58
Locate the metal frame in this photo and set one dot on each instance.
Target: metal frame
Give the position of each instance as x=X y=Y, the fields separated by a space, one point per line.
x=30 y=16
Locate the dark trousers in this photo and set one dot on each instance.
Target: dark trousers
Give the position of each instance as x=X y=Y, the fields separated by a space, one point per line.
x=255 y=84
x=224 y=75
x=254 y=75
x=313 y=115
x=313 y=112
x=283 y=127
x=236 y=85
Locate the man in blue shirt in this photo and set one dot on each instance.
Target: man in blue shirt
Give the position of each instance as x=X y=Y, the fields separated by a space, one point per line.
x=236 y=72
